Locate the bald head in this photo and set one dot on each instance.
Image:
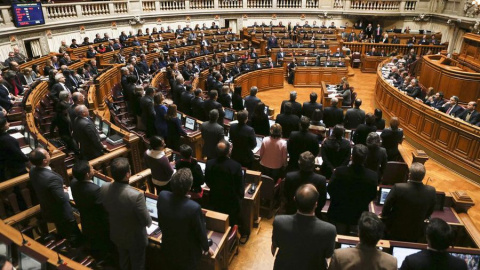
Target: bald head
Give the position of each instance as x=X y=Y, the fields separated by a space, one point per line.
x=81 y=111
x=306 y=199
x=223 y=148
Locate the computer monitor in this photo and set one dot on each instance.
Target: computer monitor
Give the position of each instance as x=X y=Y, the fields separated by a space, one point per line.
x=98 y=181
x=328 y=195
x=179 y=116
x=202 y=165
x=29 y=259
x=97 y=121
x=105 y=128
x=402 y=252
x=347 y=245
x=382 y=194
x=470 y=256
x=266 y=110
x=152 y=207
x=229 y=114
x=190 y=123
x=271 y=122
x=5 y=246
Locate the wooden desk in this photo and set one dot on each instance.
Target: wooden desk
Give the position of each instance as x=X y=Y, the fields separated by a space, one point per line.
x=452 y=142
x=250 y=213
x=313 y=75
x=370 y=63
x=264 y=79
x=444 y=74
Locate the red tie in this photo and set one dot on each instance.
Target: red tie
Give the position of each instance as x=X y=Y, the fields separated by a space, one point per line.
x=450 y=109
x=15 y=89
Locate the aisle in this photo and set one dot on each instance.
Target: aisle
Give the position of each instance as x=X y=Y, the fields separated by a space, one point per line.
x=256 y=253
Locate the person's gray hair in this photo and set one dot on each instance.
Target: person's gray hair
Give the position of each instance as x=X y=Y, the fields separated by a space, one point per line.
x=59 y=76
x=373 y=140
x=181 y=182
x=213 y=115
x=63 y=95
x=124 y=70
x=79 y=110
x=417 y=171
x=253 y=90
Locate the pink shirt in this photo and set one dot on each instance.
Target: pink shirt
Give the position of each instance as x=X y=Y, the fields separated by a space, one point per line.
x=273 y=153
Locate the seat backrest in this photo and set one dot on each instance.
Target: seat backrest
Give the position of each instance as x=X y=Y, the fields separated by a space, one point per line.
x=395 y=172
x=267 y=188
x=354 y=96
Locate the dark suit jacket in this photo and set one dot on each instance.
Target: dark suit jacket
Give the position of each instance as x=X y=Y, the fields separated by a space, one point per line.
x=401 y=222
x=184 y=235
x=12 y=159
x=430 y=259
x=474 y=117
x=177 y=93
x=351 y=190
x=332 y=116
x=297 y=108
x=54 y=203
x=198 y=109
x=185 y=105
x=299 y=142
x=250 y=104
x=55 y=91
x=260 y=124
x=294 y=180
x=237 y=102
x=390 y=140
x=304 y=242
x=212 y=133
x=86 y=135
x=89 y=202
x=227 y=188
x=361 y=133
x=456 y=111
x=309 y=107
x=128 y=226
x=5 y=97
x=353 y=118
x=243 y=141
x=289 y=123
x=211 y=104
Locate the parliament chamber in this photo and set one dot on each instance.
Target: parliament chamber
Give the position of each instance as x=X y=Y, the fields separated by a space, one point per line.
x=397 y=59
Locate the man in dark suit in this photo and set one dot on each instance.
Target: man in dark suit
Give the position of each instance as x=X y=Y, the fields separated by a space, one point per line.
x=6 y=99
x=12 y=159
x=451 y=107
x=470 y=115
x=351 y=190
x=178 y=90
x=377 y=33
x=227 y=188
x=414 y=90
x=309 y=107
x=184 y=236
x=251 y=101
x=148 y=113
x=86 y=134
x=424 y=41
x=369 y=31
x=243 y=140
x=53 y=198
x=78 y=99
x=296 y=106
x=408 y=205
x=438 y=101
x=211 y=104
x=365 y=255
x=305 y=175
x=87 y=199
x=63 y=123
x=280 y=55
x=439 y=235
x=289 y=121
x=362 y=131
x=185 y=105
x=197 y=105
x=58 y=87
x=332 y=115
x=301 y=141
x=354 y=116
x=127 y=215
x=212 y=134
x=218 y=83
x=303 y=240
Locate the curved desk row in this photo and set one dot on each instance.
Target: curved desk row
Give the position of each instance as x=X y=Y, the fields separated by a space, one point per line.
x=453 y=142
x=446 y=75
x=264 y=79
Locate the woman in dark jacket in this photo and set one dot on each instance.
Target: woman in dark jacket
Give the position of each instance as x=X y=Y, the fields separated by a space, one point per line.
x=335 y=151
x=174 y=128
x=379 y=122
x=187 y=161
x=160 y=115
x=224 y=98
x=259 y=120
x=237 y=100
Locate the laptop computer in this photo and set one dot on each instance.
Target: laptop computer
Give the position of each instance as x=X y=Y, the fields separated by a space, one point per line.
x=229 y=114
x=105 y=130
x=382 y=194
x=151 y=203
x=190 y=123
x=259 y=144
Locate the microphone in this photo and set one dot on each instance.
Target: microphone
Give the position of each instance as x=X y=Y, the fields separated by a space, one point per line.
x=59 y=261
x=24 y=241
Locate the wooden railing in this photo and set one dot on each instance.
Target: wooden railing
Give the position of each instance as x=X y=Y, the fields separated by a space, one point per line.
x=402 y=49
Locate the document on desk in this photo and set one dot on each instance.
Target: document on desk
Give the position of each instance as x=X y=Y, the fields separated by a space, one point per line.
x=152 y=228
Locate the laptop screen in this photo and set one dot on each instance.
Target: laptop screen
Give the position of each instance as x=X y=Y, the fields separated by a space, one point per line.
x=98 y=122
x=266 y=110
x=229 y=114
x=152 y=207
x=383 y=195
x=105 y=128
x=401 y=253
x=99 y=182
x=190 y=123
x=179 y=115
x=27 y=262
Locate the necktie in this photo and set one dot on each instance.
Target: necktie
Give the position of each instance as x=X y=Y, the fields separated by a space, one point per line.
x=450 y=109
x=468 y=116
